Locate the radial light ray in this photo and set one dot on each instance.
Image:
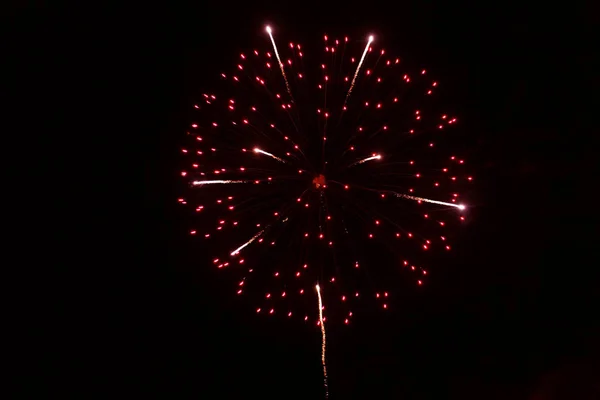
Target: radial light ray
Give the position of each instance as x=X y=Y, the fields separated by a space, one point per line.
x=443 y=203
x=287 y=84
x=252 y=239
x=358 y=68
x=364 y=160
x=257 y=150
x=218 y=182
x=323 y=340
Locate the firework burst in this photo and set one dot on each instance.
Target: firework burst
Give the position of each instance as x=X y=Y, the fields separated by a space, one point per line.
x=332 y=166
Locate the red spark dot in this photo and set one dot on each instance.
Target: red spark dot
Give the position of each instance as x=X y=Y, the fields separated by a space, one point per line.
x=356 y=295
x=447 y=247
x=301 y=291
x=271 y=312
x=192 y=232
x=297 y=274
x=410 y=235
x=194 y=125
x=397 y=235
x=370 y=236
x=346 y=321
x=425 y=247
x=429 y=92
x=385 y=306
x=290 y=314
x=258 y=310
x=346 y=187
x=183 y=173
x=377 y=295
x=329 y=217
x=470 y=178
x=343 y=298
x=420 y=282
x=423 y=72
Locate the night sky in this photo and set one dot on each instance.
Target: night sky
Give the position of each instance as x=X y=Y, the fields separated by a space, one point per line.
x=512 y=315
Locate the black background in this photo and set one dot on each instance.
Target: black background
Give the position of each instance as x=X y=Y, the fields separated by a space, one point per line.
x=140 y=314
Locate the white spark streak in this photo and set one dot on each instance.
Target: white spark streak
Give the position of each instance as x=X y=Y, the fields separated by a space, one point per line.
x=257 y=150
x=287 y=85
x=376 y=157
x=214 y=182
x=252 y=239
x=443 y=203
x=358 y=68
x=323 y=338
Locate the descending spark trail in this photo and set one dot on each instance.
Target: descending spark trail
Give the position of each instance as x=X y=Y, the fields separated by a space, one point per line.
x=406 y=196
x=322 y=323
x=287 y=85
x=214 y=182
x=358 y=68
x=376 y=157
x=252 y=239
x=257 y=150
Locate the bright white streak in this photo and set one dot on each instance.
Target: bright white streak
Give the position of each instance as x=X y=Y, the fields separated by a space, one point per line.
x=358 y=68
x=257 y=150
x=406 y=196
x=323 y=338
x=377 y=157
x=252 y=239
x=287 y=85
x=200 y=183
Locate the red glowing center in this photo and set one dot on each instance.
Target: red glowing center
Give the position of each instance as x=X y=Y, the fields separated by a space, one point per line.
x=319 y=181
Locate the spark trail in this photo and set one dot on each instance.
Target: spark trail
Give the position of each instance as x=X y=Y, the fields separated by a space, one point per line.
x=252 y=239
x=358 y=68
x=257 y=150
x=287 y=84
x=323 y=343
x=443 y=203
x=215 y=182
x=375 y=157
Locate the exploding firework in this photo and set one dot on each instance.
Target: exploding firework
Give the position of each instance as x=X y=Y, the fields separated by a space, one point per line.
x=330 y=166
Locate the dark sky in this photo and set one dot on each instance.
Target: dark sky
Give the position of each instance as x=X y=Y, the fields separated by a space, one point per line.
x=142 y=315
